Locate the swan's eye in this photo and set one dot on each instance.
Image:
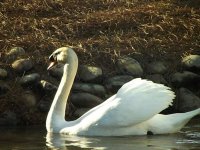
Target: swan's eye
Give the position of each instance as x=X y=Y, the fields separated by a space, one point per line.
x=56 y=53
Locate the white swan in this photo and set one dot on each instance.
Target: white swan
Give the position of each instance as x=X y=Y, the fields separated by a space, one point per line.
x=132 y=111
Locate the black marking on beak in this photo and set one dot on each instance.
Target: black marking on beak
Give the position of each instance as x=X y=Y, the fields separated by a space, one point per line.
x=52 y=57
x=53 y=60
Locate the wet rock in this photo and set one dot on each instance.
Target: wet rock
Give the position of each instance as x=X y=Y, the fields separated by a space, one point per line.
x=47 y=86
x=79 y=112
x=22 y=65
x=187 y=100
x=57 y=71
x=30 y=79
x=15 y=53
x=44 y=106
x=156 y=67
x=69 y=111
x=157 y=78
x=185 y=79
x=85 y=100
x=114 y=83
x=191 y=62
x=130 y=66
x=29 y=99
x=9 y=118
x=4 y=87
x=90 y=73
x=95 y=89
x=3 y=73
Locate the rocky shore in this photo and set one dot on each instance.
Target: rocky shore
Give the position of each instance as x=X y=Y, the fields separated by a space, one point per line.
x=92 y=86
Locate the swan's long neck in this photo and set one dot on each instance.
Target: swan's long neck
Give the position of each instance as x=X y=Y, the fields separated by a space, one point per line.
x=56 y=116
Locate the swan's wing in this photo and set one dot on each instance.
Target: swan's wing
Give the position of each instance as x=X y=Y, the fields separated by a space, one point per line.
x=135 y=102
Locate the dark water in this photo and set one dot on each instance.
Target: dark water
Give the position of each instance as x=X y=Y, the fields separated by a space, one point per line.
x=35 y=138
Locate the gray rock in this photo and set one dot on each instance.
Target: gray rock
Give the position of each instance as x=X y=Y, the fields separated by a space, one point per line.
x=3 y=73
x=9 y=118
x=90 y=73
x=47 y=86
x=15 y=52
x=191 y=62
x=129 y=66
x=79 y=112
x=185 y=79
x=57 y=71
x=85 y=73
x=29 y=99
x=4 y=87
x=157 y=78
x=95 y=89
x=156 y=67
x=22 y=65
x=114 y=83
x=30 y=79
x=187 y=101
x=85 y=100
x=44 y=106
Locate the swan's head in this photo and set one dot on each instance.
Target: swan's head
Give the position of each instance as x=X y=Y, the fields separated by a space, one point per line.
x=59 y=56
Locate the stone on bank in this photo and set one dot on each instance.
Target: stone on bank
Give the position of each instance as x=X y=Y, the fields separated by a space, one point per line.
x=187 y=100
x=3 y=73
x=9 y=118
x=47 y=86
x=95 y=89
x=29 y=79
x=191 y=62
x=90 y=74
x=29 y=99
x=129 y=66
x=185 y=79
x=4 y=87
x=114 y=83
x=85 y=100
x=156 y=67
x=14 y=53
x=22 y=65
x=157 y=78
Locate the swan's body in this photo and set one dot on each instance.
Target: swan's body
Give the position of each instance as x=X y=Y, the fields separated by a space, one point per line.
x=132 y=111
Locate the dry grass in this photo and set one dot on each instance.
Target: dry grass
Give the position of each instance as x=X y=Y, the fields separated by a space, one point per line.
x=146 y=29
x=101 y=28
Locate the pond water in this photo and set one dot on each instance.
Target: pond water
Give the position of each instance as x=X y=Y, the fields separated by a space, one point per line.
x=36 y=138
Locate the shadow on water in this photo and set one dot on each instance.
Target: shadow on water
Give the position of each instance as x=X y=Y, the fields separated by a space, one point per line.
x=36 y=138
x=22 y=138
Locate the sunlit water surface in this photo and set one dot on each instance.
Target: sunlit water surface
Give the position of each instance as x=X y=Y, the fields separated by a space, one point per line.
x=36 y=138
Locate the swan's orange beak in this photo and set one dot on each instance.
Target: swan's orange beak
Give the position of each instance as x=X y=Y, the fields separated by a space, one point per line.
x=53 y=63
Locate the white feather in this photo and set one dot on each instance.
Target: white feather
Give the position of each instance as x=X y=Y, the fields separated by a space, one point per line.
x=133 y=110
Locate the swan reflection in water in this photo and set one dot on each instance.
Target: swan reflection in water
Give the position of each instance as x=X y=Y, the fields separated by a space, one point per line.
x=182 y=140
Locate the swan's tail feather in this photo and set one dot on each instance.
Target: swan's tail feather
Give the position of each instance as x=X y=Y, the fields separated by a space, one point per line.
x=193 y=112
x=184 y=118
x=198 y=111
x=162 y=124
